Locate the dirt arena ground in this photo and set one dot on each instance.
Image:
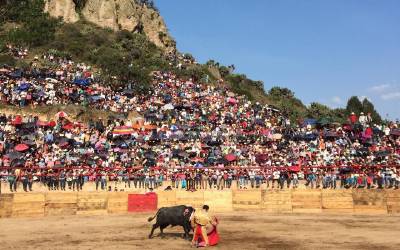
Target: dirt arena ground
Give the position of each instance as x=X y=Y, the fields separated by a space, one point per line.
x=238 y=230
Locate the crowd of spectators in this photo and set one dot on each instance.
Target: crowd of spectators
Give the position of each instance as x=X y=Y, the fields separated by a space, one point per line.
x=192 y=135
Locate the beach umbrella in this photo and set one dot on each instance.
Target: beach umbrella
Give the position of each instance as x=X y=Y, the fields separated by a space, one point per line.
x=230 y=157
x=21 y=147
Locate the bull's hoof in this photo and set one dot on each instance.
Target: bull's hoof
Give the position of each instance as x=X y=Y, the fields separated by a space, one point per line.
x=150 y=236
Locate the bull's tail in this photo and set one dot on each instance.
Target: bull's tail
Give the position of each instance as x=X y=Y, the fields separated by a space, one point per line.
x=152 y=218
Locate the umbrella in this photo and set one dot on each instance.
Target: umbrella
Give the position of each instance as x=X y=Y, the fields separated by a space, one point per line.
x=395 y=132
x=311 y=122
x=82 y=81
x=183 y=154
x=261 y=158
x=14 y=155
x=42 y=123
x=21 y=147
x=52 y=80
x=330 y=134
x=17 y=120
x=17 y=163
x=198 y=165
x=61 y=114
x=232 y=100
x=168 y=106
x=68 y=126
x=230 y=157
x=123 y=130
x=198 y=159
x=277 y=136
x=23 y=86
x=294 y=168
x=29 y=142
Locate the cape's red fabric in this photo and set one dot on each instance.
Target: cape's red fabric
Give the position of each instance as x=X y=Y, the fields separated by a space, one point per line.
x=213 y=236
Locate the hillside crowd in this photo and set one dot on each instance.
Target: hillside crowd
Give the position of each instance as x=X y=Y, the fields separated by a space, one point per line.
x=192 y=135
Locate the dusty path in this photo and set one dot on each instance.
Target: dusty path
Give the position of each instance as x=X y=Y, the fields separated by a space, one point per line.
x=238 y=230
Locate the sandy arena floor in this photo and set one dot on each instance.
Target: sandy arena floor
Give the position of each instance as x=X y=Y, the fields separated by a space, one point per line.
x=245 y=230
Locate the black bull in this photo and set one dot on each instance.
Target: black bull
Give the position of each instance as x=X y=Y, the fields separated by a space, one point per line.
x=174 y=216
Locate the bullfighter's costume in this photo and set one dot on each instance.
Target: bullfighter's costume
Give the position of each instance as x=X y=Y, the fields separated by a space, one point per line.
x=205 y=230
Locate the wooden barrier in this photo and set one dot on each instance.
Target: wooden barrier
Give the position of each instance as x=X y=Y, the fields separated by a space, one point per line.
x=61 y=204
x=194 y=199
x=271 y=201
x=246 y=199
x=337 y=201
x=28 y=205
x=306 y=201
x=117 y=203
x=92 y=203
x=166 y=198
x=277 y=201
x=220 y=201
x=369 y=201
x=6 y=205
x=393 y=201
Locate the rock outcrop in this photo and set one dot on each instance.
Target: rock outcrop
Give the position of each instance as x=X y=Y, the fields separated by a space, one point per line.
x=62 y=8
x=116 y=15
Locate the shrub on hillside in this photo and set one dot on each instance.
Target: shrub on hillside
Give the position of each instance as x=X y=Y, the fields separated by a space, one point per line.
x=6 y=59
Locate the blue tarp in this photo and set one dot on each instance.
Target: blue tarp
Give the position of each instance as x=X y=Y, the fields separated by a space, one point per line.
x=82 y=81
x=23 y=86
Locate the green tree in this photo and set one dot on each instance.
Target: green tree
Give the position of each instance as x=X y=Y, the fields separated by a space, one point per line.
x=354 y=105
x=318 y=110
x=37 y=28
x=368 y=107
x=280 y=93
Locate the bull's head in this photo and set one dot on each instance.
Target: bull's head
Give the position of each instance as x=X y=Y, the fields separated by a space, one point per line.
x=188 y=211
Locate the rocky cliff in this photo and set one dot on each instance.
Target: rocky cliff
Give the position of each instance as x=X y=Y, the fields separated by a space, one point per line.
x=117 y=15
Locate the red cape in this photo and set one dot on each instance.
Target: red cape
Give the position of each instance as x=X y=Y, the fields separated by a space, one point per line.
x=213 y=236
